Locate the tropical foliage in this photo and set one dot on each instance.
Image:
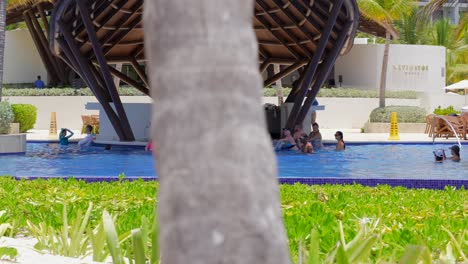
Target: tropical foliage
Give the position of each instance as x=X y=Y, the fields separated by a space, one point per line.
x=65 y=216
x=416 y=27
x=406 y=114
x=385 y=12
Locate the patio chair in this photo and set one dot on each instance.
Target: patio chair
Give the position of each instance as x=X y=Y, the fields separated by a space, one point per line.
x=95 y=123
x=429 y=123
x=456 y=123
x=86 y=121
x=464 y=120
x=441 y=128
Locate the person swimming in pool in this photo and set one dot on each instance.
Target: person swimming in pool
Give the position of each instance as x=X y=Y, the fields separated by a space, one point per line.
x=340 y=145
x=287 y=142
x=63 y=137
x=315 y=137
x=307 y=146
x=439 y=155
x=455 y=151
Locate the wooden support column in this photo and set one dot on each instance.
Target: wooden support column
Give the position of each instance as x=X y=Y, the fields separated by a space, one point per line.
x=129 y=81
x=325 y=69
x=312 y=68
x=40 y=8
x=264 y=65
x=279 y=84
x=42 y=53
x=43 y=40
x=127 y=130
x=92 y=83
x=118 y=67
x=140 y=71
x=283 y=73
x=295 y=89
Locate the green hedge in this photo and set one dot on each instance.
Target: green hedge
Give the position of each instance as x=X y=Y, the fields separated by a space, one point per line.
x=123 y=91
x=405 y=114
x=130 y=91
x=445 y=111
x=349 y=93
x=25 y=115
x=6 y=117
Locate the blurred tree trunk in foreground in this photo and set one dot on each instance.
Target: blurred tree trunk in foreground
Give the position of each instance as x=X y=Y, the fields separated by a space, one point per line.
x=219 y=200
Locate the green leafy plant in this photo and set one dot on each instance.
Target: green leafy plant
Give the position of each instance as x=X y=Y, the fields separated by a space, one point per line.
x=8 y=253
x=25 y=115
x=6 y=117
x=405 y=114
x=123 y=91
x=348 y=93
x=407 y=216
x=445 y=111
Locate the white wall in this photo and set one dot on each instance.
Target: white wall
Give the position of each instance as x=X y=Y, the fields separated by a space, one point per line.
x=348 y=113
x=69 y=109
x=343 y=113
x=410 y=67
x=22 y=62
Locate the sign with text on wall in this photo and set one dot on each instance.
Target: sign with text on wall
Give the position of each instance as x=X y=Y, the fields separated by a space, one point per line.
x=410 y=76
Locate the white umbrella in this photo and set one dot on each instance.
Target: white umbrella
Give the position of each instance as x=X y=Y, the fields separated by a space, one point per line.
x=461 y=85
x=457 y=86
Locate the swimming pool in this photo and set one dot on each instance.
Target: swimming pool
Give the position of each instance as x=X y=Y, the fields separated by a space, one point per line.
x=366 y=161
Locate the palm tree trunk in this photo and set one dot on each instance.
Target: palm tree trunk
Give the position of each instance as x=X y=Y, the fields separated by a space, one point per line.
x=383 y=75
x=218 y=199
x=2 y=41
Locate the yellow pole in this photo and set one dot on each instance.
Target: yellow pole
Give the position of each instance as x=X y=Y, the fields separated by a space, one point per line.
x=53 y=124
x=394 y=127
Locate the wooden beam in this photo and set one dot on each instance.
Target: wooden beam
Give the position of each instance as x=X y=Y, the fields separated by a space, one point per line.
x=115 y=40
x=264 y=65
x=300 y=26
x=40 y=8
x=43 y=41
x=307 y=13
x=279 y=38
x=312 y=68
x=283 y=73
x=140 y=71
x=111 y=35
x=325 y=70
x=42 y=53
x=127 y=130
x=86 y=71
x=129 y=80
x=278 y=22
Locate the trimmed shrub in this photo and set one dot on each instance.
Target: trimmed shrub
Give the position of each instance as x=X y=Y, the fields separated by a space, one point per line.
x=405 y=114
x=123 y=91
x=445 y=111
x=25 y=115
x=349 y=93
x=6 y=117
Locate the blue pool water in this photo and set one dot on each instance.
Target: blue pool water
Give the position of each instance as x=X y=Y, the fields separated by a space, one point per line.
x=358 y=161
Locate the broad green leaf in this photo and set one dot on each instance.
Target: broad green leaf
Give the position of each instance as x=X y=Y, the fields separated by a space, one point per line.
x=138 y=247
x=112 y=238
x=8 y=252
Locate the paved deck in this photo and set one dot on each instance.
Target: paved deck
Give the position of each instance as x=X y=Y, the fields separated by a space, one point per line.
x=350 y=136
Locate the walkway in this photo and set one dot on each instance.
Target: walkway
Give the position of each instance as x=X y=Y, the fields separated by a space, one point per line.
x=350 y=136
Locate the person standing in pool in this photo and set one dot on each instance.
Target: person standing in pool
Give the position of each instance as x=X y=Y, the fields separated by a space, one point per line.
x=88 y=140
x=439 y=155
x=63 y=137
x=315 y=137
x=455 y=151
x=340 y=145
x=287 y=142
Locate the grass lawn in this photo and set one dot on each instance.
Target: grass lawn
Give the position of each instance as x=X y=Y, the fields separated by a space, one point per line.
x=406 y=216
